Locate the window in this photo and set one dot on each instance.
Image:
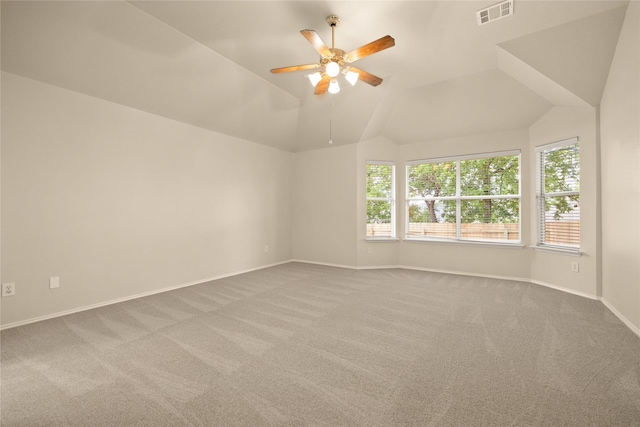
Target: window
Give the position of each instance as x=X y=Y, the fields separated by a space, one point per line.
x=558 y=194
x=471 y=198
x=381 y=200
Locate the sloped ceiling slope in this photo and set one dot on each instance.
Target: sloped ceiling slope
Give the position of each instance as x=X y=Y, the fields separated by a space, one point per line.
x=564 y=53
x=115 y=51
x=207 y=63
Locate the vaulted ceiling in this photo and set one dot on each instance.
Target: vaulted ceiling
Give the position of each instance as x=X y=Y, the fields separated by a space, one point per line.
x=207 y=63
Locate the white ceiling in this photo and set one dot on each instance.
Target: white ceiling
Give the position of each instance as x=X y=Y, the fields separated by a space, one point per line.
x=207 y=63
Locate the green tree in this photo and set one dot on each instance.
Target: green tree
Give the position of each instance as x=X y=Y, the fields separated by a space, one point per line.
x=561 y=174
x=379 y=185
x=478 y=177
x=430 y=180
x=490 y=177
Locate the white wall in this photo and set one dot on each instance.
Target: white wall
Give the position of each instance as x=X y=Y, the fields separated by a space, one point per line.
x=324 y=205
x=469 y=259
x=551 y=268
x=119 y=202
x=620 y=146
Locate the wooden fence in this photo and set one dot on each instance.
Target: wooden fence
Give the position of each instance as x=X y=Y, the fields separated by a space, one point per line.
x=467 y=231
x=564 y=232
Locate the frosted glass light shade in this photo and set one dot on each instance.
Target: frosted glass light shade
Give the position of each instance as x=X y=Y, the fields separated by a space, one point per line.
x=332 y=69
x=334 y=87
x=315 y=78
x=352 y=77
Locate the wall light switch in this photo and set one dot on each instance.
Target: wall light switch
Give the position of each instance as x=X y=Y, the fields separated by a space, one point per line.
x=54 y=282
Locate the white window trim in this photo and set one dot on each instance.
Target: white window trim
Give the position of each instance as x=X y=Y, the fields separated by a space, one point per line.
x=541 y=246
x=392 y=201
x=464 y=242
x=464 y=157
x=474 y=242
x=565 y=250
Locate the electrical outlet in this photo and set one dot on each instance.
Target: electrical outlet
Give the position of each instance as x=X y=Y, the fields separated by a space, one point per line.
x=8 y=289
x=575 y=267
x=54 y=282
x=266 y=249
x=369 y=250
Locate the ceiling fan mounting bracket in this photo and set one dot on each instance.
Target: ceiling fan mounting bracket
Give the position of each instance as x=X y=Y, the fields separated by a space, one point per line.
x=333 y=20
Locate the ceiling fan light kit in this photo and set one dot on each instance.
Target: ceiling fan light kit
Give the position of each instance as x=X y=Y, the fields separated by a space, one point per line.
x=332 y=69
x=315 y=78
x=334 y=62
x=334 y=87
x=351 y=76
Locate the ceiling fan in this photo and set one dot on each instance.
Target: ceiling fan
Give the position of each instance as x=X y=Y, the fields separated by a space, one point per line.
x=334 y=61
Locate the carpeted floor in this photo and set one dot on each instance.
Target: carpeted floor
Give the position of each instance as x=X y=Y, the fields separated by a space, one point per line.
x=302 y=344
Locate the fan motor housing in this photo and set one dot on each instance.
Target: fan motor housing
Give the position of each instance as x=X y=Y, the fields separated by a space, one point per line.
x=337 y=55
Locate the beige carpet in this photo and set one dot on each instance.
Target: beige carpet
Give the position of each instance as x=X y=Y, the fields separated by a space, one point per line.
x=302 y=344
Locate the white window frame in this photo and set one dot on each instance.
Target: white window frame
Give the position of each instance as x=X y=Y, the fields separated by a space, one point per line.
x=458 y=198
x=391 y=200
x=540 y=195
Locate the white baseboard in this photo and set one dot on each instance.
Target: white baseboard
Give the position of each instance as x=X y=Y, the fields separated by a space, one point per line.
x=350 y=267
x=132 y=297
x=408 y=267
x=327 y=264
x=616 y=313
x=567 y=290
x=464 y=273
x=619 y=315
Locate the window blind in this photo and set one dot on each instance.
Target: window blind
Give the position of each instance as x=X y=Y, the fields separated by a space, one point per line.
x=558 y=194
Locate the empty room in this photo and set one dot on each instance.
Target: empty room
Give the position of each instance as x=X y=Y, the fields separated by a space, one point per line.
x=362 y=213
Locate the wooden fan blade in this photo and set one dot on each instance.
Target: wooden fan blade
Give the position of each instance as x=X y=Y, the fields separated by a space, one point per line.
x=322 y=85
x=371 y=48
x=366 y=77
x=316 y=42
x=294 y=68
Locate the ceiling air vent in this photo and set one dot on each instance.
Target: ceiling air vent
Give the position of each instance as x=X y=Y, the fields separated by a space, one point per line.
x=497 y=11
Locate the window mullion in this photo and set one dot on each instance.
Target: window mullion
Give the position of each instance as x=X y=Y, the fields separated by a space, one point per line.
x=541 y=199
x=458 y=202
x=562 y=194
x=491 y=196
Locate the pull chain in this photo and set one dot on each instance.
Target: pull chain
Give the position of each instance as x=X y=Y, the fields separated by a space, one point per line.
x=330 y=138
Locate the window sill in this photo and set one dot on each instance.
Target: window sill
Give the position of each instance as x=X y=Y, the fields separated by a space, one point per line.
x=381 y=239
x=505 y=245
x=559 y=250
